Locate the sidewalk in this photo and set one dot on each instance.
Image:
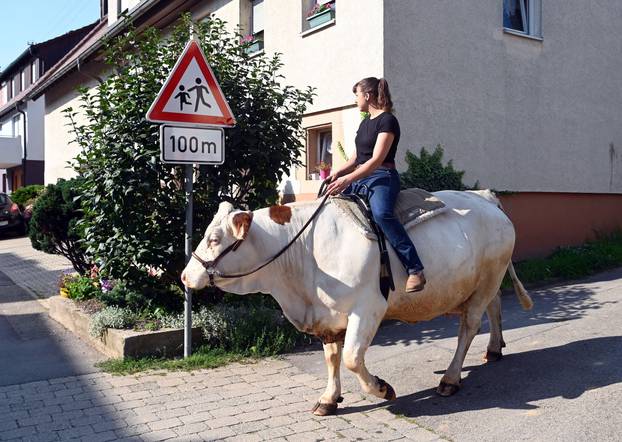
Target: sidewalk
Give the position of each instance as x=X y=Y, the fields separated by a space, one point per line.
x=268 y=400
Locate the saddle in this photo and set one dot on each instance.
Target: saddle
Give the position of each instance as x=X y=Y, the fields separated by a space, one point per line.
x=413 y=206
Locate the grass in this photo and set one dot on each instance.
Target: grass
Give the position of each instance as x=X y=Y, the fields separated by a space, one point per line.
x=571 y=262
x=204 y=357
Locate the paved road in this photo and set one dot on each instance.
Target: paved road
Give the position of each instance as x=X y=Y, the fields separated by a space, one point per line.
x=34 y=347
x=561 y=378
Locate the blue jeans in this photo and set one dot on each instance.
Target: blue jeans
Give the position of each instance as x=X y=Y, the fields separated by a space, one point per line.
x=383 y=186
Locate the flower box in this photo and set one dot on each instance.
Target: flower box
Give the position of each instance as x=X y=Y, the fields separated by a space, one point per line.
x=255 y=46
x=321 y=18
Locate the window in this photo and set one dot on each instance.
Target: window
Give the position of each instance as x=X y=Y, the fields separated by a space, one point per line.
x=22 y=80
x=3 y=97
x=33 y=71
x=17 y=130
x=11 y=88
x=256 y=26
x=523 y=16
x=319 y=150
x=319 y=12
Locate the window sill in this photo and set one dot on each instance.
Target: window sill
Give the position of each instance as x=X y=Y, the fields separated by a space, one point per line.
x=256 y=53
x=318 y=28
x=522 y=34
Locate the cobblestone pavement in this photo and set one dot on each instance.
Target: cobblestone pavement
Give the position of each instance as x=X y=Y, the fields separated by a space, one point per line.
x=31 y=269
x=267 y=400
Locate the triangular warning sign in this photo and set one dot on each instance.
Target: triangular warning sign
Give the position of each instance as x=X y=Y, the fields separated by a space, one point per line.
x=191 y=93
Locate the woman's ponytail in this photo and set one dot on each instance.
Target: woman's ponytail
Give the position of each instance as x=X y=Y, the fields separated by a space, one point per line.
x=384 y=96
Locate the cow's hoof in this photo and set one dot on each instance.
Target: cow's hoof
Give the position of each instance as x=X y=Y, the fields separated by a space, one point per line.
x=389 y=392
x=444 y=389
x=326 y=409
x=493 y=356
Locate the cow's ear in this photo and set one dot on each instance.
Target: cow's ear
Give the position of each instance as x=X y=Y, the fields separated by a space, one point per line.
x=240 y=223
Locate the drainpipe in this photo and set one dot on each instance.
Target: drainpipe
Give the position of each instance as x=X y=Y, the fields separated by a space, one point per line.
x=24 y=144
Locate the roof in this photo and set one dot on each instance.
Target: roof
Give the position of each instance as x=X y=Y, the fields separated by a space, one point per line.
x=35 y=48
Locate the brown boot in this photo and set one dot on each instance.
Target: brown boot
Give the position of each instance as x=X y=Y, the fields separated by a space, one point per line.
x=415 y=282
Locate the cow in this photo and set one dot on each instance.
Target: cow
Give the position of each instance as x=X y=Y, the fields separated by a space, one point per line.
x=327 y=280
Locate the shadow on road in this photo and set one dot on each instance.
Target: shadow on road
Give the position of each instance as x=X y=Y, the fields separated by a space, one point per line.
x=555 y=304
x=519 y=379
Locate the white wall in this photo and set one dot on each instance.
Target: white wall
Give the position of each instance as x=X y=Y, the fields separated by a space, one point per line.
x=515 y=113
x=59 y=148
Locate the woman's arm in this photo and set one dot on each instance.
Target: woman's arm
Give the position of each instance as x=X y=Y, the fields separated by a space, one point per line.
x=381 y=149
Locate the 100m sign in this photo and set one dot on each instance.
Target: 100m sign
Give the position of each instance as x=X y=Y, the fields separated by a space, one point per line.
x=181 y=144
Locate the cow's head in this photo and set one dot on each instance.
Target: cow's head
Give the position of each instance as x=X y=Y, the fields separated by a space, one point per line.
x=228 y=226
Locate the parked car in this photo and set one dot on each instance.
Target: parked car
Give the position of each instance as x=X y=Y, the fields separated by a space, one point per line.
x=11 y=218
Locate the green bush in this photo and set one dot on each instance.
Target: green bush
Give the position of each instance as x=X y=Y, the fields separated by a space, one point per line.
x=53 y=226
x=81 y=288
x=427 y=171
x=245 y=329
x=134 y=204
x=25 y=195
x=111 y=317
x=122 y=296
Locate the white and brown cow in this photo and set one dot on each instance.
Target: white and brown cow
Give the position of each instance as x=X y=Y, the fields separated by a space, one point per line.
x=327 y=281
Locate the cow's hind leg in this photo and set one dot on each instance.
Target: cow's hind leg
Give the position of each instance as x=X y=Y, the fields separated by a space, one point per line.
x=362 y=326
x=496 y=343
x=469 y=327
x=472 y=313
x=327 y=405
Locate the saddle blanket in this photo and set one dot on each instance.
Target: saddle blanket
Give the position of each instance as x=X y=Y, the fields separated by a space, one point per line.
x=413 y=206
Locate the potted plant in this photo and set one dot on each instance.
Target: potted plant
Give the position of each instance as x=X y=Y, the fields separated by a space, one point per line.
x=324 y=169
x=320 y=14
x=252 y=42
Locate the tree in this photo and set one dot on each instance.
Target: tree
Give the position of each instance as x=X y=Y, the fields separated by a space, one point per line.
x=54 y=224
x=134 y=204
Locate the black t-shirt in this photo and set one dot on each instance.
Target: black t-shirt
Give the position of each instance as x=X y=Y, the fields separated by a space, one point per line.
x=368 y=133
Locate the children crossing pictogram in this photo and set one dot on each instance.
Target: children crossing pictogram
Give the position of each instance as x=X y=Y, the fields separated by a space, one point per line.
x=191 y=94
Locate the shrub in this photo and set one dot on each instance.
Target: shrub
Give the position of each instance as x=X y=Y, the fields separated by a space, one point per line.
x=81 y=288
x=427 y=171
x=53 y=226
x=122 y=296
x=25 y=195
x=135 y=204
x=245 y=329
x=110 y=317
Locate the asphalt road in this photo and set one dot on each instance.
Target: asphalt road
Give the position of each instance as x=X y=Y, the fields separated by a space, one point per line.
x=560 y=378
x=34 y=347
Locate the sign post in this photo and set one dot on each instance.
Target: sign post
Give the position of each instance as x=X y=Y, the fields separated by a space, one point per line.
x=191 y=98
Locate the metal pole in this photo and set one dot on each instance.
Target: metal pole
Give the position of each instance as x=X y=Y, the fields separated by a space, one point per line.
x=187 y=291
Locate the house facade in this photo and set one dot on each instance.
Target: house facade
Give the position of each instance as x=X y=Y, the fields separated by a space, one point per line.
x=520 y=93
x=22 y=142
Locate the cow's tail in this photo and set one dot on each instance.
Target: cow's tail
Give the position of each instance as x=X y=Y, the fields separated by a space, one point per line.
x=523 y=296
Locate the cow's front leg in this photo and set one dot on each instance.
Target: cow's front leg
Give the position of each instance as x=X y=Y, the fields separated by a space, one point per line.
x=362 y=326
x=327 y=405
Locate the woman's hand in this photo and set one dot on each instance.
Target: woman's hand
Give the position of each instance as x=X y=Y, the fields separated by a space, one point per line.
x=338 y=185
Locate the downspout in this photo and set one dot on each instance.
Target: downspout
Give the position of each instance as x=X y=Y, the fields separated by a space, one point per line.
x=24 y=143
